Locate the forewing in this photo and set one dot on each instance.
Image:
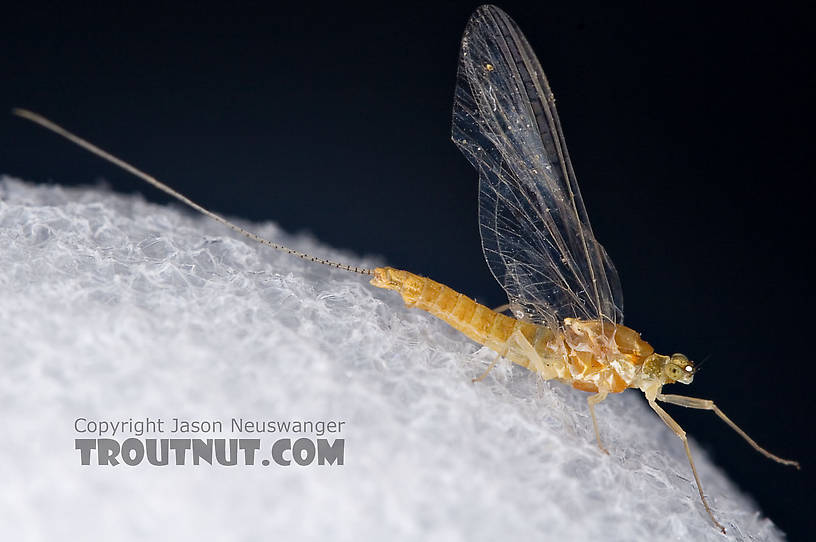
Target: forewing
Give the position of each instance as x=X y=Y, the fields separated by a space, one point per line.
x=535 y=231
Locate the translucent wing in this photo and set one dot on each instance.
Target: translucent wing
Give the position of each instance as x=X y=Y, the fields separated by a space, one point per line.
x=535 y=231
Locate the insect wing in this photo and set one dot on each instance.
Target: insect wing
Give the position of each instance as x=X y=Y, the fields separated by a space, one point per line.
x=536 y=235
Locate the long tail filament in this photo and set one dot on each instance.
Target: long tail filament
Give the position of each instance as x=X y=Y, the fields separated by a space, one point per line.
x=57 y=129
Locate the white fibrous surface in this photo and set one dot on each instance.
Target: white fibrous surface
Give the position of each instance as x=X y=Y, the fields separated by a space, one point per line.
x=112 y=308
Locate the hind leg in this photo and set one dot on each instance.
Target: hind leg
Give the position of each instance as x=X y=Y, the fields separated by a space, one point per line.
x=489 y=368
x=705 y=404
x=535 y=362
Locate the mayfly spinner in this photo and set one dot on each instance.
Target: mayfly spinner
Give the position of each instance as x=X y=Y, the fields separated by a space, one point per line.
x=562 y=287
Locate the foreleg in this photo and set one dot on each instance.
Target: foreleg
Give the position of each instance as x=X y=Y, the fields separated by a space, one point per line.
x=705 y=404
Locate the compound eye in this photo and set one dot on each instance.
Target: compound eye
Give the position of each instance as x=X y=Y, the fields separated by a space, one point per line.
x=679 y=359
x=674 y=372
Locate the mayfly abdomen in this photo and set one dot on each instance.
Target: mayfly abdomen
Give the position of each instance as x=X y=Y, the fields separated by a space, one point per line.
x=588 y=355
x=507 y=336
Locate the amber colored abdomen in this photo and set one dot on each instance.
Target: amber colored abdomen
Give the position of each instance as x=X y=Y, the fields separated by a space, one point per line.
x=477 y=322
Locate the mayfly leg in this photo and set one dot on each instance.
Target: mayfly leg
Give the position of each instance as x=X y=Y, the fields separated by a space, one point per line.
x=501 y=354
x=502 y=308
x=705 y=404
x=537 y=363
x=489 y=368
x=675 y=427
x=593 y=400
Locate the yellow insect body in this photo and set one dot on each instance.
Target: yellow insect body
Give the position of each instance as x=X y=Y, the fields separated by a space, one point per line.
x=587 y=355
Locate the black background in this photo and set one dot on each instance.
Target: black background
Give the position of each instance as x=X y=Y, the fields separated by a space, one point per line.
x=689 y=128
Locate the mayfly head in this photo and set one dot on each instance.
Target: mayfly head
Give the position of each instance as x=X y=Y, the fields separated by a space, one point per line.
x=679 y=369
x=669 y=369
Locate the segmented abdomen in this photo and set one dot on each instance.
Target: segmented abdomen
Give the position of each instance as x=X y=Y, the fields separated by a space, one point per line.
x=479 y=323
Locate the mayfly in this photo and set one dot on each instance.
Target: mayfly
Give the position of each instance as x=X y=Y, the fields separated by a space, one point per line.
x=562 y=287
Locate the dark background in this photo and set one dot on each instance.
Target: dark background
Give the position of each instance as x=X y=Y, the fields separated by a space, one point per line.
x=689 y=128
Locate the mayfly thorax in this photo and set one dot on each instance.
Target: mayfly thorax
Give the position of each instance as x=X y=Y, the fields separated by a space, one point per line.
x=561 y=285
